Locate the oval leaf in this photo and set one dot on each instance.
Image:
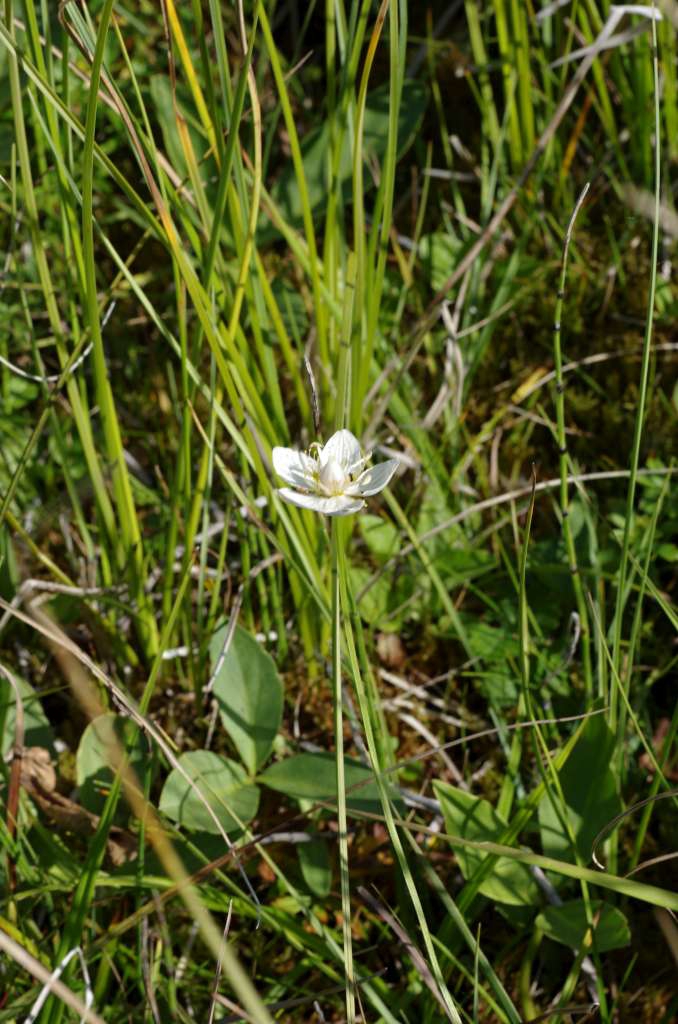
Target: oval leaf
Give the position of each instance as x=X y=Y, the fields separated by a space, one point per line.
x=589 y=785
x=314 y=777
x=224 y=785
x=249 y=692
x=316 y=867
x=93 y=760
x=315 y=146
x=567 y=924
x=380 y=535
x=471 y=817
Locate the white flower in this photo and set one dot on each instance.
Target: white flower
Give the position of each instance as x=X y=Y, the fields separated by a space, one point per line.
x=333 y=480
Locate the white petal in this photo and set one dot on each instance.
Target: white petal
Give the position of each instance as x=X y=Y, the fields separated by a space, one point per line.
x=343 y=448
x=332 y=479
x=341 y=505
x=294 y=467
x=373 y=479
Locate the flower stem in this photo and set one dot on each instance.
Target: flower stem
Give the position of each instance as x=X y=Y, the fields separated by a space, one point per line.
x=341 y=577
x=341 y=780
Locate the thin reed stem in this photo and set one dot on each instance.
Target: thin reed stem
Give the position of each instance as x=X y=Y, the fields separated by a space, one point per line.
x=342 y=818
x=642 y=402
x=368 y=716
x=580 y=597
x=132 y=552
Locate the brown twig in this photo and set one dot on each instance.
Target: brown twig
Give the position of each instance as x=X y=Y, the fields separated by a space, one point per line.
x=412 y=951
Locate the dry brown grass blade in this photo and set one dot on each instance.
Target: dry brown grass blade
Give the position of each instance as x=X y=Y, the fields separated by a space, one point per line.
x=202 y=873
x=14 y=774
x=217 y=973
x=72 y=660
x=668 y=929
x=412 y=951
x=73 y=663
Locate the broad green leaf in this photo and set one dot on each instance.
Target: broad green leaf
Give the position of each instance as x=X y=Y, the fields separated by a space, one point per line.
x=668 y=551
x=460 y=565
x=249 y=692
x=314 y=148
x=567 y=924
x=37 y=729
x=497 y=649
x=292 y=904
x=16 y=422
x=93 y=760
x=439 y=254
x=313 y=777
x=471 y=817
x=590 y=790
x=55 y=861
x=491 y=643
x=316 y=868
x=163 y=104
x=384 y=605
x=433 y=507
x=381 y=535
x=224 y=785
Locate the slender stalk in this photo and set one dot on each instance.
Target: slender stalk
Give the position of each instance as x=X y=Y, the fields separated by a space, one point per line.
x=346 y=339
x=368 y=717
x=523 y=609
x=525 y=89
x=507 y=49
x=341 y=779
x=50 y=292
x=360 y=353
x=617 y=722
x=487 y=105
x=383 y=211
x=127 y=516
x=629 y=518
x=291 y=126
x=550 y=776
x=580 y=598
